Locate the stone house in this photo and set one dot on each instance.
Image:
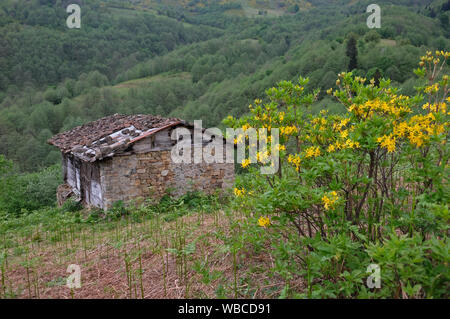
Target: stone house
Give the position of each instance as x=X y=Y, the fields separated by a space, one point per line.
x=128 y=157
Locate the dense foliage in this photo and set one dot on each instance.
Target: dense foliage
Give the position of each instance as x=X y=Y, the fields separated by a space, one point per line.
x=21 y=193
x=96 y=70
x=38 y=49
x=369 y=186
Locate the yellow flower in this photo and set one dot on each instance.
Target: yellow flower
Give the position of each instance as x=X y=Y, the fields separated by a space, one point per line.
x=288 y=130
x=245 y=163
x=262 y=156
x=317 y=152
x=264 y=221
x=239 y=192
x=329 y=200
x=312 y=151
x=439 y=129
x=295 y=160
x=387 y=142
x=331 y=148
x=351 y=144
x=341 y=124
x=239 y=139
x=432 y=88
x=280 y=147
x=401 y=129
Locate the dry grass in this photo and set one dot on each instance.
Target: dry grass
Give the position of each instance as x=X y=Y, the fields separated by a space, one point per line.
x=388 y=43
x=205 y=272
x=152 y=79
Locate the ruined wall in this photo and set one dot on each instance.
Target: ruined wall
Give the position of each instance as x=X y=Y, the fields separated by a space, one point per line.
x=84 y=179
x=149 y=175
x=72 y=174
x=90 y=184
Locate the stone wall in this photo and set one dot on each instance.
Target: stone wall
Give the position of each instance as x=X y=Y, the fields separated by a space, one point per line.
x=149 y=175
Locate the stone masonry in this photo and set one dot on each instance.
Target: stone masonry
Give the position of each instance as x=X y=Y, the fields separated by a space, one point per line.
x=153 y=174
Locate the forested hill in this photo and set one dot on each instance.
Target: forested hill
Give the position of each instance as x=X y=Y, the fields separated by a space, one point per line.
x=195 y=60
x=38 y=49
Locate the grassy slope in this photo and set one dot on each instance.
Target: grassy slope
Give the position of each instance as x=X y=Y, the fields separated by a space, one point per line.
x=123 y=88
x=151 y=79
x=178 y=257
x=250 y=8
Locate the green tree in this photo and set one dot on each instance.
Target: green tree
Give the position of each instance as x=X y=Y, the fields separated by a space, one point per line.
x=352 y=52
x=377 y=77
x=443 y=18
x=372 y=36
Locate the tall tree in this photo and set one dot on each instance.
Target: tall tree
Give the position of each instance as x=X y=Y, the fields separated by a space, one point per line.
x=377 y=77
x=352 y=52
x=446 y=6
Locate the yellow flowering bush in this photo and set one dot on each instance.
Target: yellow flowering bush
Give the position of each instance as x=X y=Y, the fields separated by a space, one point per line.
x=268 y=116
x=361 y=186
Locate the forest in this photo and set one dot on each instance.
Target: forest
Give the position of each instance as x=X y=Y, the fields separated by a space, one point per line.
x=210 y=60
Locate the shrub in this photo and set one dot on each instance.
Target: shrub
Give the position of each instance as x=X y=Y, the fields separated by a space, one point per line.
x=368 y=186
x=20 y=193
x=117 y=210
x=71 y=206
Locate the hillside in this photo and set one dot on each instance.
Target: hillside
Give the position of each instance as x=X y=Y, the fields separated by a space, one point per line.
x=226 y=72
x=363 y=147
x=38 y=49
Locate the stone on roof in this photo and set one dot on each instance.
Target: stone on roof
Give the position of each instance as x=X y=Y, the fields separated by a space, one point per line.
x=107 y=135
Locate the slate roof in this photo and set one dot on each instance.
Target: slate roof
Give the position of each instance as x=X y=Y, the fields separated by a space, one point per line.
x=106 y=136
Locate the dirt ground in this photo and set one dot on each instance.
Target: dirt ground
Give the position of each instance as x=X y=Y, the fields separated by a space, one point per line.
x=165 y=273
